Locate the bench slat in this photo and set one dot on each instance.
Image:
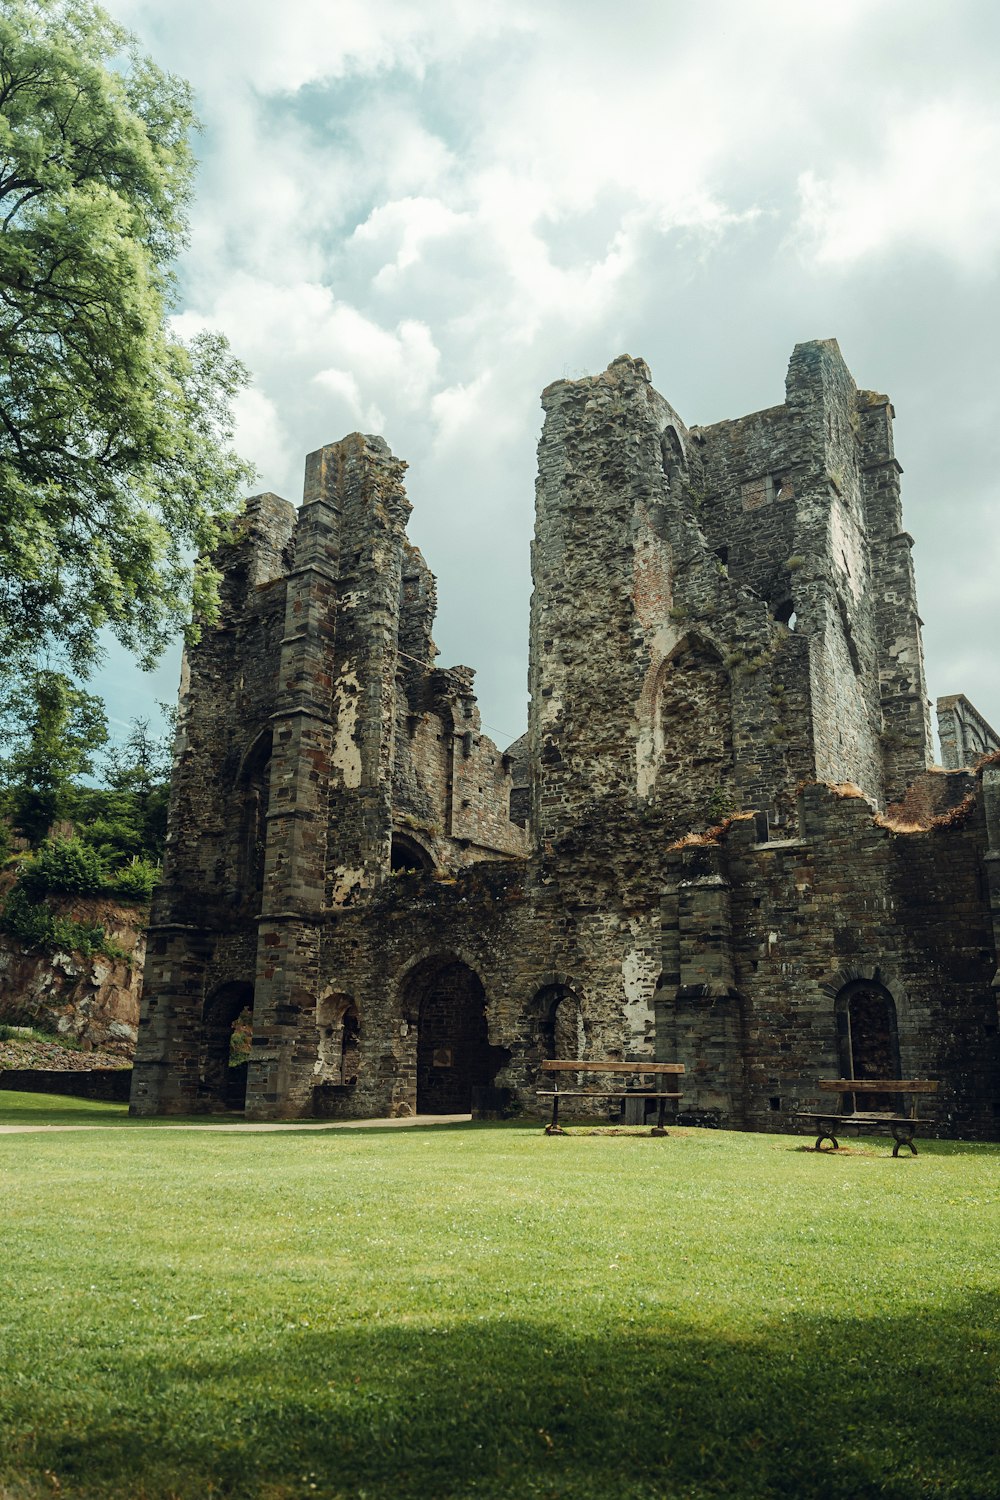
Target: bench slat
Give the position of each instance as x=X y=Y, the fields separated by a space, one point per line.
x=878 y=1085
x=584 y=1065
x=859 y=1118
x=604 y=1094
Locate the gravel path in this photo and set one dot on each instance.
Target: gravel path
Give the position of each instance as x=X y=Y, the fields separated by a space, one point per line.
x=256 y=1126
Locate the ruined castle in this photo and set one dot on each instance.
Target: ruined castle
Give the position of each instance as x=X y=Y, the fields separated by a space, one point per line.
x=720 y=842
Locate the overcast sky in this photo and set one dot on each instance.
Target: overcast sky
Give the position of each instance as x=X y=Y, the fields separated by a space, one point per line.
x=414 y=214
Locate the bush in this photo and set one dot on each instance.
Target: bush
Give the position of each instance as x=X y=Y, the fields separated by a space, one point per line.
x=37 y=927
x=135 y=881
x=67 y=865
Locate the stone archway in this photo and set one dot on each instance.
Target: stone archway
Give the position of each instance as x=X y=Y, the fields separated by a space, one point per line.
x=867 y=1034
x=219 y=1086
x=447 y=1001
x=560 y=1020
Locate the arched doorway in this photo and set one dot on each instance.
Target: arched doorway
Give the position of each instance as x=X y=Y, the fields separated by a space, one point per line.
x=454 y=1055
x=867 y=1035
x=227 y=1015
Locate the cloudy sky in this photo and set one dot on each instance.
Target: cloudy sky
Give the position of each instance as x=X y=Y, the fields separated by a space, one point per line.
x=414 y=214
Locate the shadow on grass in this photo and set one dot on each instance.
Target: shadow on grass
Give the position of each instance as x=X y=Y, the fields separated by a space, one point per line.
x=897 y=1407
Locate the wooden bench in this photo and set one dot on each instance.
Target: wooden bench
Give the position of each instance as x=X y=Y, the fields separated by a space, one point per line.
x=902 y=1126
x=661 y=1071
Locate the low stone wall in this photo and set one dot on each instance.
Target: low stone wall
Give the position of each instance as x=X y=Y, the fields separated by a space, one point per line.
x=111 y=1084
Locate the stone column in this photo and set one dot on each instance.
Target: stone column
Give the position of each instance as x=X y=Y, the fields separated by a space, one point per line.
x=906 y=726
x=280 y=1078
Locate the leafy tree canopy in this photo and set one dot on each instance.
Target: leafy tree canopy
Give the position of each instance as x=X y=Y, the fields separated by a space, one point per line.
x=115 y=465
x=52 y=734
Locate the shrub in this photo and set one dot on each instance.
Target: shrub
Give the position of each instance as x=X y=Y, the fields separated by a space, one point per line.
x=67 y=865
x=37 y=927
x=135 y=881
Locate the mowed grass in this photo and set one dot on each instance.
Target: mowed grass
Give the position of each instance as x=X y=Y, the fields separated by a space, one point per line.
x=481 y=1311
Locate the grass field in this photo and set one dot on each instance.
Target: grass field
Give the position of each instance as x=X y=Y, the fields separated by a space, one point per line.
x=480 y=1311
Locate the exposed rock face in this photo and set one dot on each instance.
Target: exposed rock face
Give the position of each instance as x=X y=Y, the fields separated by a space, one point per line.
x=718 y=843
x=94 y=1000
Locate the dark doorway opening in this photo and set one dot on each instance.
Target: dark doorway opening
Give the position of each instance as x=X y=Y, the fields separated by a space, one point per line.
x=868 y=1036
x=227 y=1021
x=407 y=856
x=454 y=1055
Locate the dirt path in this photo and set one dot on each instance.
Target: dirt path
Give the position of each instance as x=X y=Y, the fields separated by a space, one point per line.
x=243 y=1126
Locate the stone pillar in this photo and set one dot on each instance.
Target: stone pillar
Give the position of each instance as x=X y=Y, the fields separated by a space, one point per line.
x=833 y=586
x=280 y=1078
x=192 y=910
x=906 y=725
x=373 y=542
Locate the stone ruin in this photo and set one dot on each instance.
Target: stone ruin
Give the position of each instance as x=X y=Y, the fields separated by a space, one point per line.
x=721 y=841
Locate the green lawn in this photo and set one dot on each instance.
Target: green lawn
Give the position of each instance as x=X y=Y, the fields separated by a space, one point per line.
x=481 y=1311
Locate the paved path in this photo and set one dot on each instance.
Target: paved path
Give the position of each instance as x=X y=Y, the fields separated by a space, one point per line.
x=243 y=1126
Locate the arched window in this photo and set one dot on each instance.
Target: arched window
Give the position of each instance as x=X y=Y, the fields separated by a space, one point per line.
x=338 y=1050
x=560 y=1022
x=407 y=855
x=693 y=735
x=252 y=787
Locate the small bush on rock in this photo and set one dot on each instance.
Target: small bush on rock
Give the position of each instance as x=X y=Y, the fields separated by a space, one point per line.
x=67 y=865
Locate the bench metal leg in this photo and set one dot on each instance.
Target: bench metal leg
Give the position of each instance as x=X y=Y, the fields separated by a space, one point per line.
x=553 y=1127
x=660 y=1128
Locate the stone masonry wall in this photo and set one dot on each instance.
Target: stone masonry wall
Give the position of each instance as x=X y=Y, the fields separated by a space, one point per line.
x=730 y=823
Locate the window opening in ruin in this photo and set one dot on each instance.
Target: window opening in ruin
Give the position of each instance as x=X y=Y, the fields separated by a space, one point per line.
x=339 y=1027
x=693 y=734
x=672 y=454
x=407 y=856
x=560 y=1022
x=454 y=1059
x=252 y=786
x=868 y=1035
x=227 y=1026
x=785 y=614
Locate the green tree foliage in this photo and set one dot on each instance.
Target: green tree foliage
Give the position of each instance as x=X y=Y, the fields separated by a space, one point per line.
x=115 y=465
x=127 y=816
x=54 y=731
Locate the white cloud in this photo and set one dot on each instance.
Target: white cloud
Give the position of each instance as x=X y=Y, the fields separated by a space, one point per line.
x=413 y=214
x=933 y=184
x=261 y=435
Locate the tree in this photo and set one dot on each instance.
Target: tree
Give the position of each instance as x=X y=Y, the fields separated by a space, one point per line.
x=115 y=464
x=54 y=734
x=127 y=815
